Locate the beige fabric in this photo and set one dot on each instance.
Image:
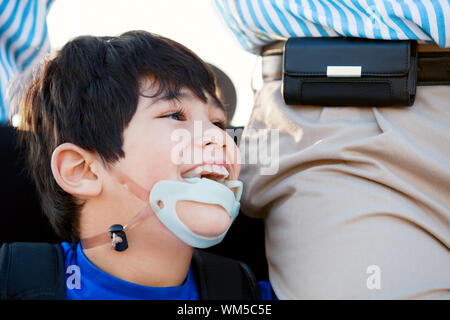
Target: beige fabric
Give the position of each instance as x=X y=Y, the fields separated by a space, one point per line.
x=355 y=187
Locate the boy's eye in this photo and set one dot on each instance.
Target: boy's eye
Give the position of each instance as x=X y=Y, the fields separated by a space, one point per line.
x=220 y=124
x=180 y=116
x=175 y=116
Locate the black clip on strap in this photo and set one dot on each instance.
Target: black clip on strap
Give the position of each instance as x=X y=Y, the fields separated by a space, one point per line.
x=118 y=238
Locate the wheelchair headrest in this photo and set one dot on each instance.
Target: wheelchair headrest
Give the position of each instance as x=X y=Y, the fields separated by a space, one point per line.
x=21 y=215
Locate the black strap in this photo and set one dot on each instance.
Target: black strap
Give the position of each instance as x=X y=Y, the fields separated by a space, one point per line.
x=32 y=271
x=433 y=68
x=221 y=278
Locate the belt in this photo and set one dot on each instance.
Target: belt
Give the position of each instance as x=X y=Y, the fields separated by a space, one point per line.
x=433 y=63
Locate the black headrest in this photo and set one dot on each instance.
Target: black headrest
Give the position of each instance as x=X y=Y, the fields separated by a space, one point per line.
x=21 y=216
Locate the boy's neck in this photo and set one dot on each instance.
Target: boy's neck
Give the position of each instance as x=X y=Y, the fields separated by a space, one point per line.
x=153 y=258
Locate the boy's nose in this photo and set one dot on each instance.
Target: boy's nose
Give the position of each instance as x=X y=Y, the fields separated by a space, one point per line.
x=214 y=141
x=210 y=135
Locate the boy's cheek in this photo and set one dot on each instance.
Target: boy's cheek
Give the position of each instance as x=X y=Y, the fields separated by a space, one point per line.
x=209 y=220
x=237 y=170
x=233 y=158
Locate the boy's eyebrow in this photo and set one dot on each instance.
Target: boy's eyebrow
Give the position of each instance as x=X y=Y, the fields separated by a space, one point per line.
x=184 y=94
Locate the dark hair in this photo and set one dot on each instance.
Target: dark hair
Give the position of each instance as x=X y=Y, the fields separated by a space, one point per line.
x=87 y=95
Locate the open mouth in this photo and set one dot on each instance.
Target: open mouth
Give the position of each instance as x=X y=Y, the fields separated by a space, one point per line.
x=210 y=171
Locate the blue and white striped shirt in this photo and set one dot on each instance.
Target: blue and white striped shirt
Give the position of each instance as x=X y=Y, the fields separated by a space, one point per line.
x=258 y=22
x=23 y=41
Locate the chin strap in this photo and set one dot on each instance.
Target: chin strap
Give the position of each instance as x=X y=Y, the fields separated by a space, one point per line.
x=116 y=233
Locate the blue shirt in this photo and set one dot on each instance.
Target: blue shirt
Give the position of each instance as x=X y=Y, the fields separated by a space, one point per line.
x=258 y=22
x=84 y=281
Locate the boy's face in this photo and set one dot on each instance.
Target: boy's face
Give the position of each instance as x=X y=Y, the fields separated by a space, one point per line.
x=168 y=137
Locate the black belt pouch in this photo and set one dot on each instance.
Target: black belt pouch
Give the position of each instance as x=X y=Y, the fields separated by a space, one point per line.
x=349 y=72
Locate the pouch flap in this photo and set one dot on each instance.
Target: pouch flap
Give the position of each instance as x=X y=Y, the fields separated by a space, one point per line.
x=312 y=56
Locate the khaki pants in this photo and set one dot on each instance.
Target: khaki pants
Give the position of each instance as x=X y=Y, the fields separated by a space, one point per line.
x=360 y=205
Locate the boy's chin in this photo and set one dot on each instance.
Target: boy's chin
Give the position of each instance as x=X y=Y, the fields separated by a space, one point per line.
x=208 y=220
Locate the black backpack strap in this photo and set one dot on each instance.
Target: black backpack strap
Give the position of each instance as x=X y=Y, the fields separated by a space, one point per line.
x=32 y=271
x=221 y=278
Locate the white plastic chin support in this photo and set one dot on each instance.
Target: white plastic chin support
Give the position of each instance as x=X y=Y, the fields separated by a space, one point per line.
x=200 y=190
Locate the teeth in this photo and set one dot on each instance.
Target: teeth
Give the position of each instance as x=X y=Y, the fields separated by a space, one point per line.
x=221 y=170
x=193 y=173
x=224 y=171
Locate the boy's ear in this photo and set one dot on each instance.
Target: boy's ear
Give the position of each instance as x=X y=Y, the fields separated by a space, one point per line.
x=75 y=171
